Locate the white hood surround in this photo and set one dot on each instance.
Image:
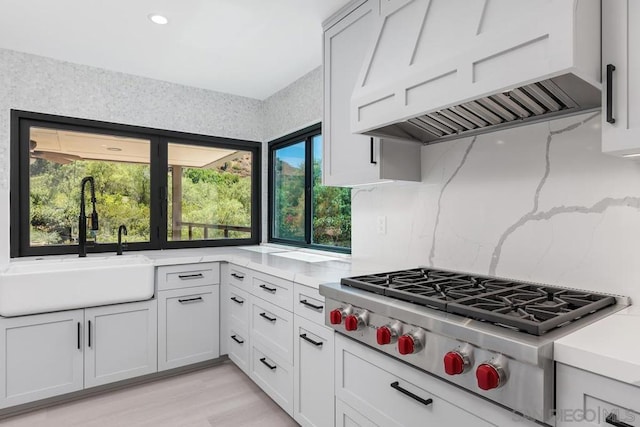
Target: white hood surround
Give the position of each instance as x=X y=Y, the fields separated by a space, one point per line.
x=441 y=69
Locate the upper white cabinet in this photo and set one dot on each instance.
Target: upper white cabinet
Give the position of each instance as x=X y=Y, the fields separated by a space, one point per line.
x=351 y=159
x=621 y=78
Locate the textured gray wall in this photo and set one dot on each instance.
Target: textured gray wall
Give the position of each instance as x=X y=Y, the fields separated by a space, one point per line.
x=294 y=107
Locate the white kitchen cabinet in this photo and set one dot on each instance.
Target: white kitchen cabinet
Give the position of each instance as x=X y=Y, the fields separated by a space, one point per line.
x=272 y=326
x=585 y=398
x=351 y=159
x=188 y=326
x=273 y=374
x=621 y=87
x=391 y=393
x=40 y=356
x=346 y=416
x=313 y=404
x=120 y=342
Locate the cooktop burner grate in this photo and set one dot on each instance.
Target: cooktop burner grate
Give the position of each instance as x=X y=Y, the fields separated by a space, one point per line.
x=532 y=308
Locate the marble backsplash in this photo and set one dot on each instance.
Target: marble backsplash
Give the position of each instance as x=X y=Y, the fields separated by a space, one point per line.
x=538 y=203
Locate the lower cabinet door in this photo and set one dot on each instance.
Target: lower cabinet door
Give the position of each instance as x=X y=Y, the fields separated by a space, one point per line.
x=346 y=416
x=274 y=375
x=188 y=326
x=313 y=374
x=41 y=356
x=120 y=342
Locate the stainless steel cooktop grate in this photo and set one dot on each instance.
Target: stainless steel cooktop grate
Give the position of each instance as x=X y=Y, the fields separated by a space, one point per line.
x=532 y=308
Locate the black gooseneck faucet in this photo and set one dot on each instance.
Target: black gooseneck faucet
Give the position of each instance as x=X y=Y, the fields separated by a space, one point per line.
x=82 y=219
x=121 y=230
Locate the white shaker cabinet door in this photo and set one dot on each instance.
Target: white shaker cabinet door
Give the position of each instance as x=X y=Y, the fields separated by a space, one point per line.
x=120 y=342
x=313 y=374
x=189 y=326
x=41 y=356
x=348 y=158
x=621 y=77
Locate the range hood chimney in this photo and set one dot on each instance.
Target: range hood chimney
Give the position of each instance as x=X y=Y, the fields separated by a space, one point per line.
x=444 y=69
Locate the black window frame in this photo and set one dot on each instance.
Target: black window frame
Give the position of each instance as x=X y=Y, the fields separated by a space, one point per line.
x=305 y=135
x=22 y=121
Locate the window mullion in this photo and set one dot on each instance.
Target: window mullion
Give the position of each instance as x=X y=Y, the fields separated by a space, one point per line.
x=308 y=179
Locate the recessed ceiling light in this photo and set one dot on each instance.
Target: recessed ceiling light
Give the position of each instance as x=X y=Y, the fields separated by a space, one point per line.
x=631 y=155
x=158 y=19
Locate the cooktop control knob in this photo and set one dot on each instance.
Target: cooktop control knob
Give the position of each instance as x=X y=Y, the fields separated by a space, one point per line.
x=453 y=363
x=387 y=334
x=459 y=360
x=491 y=375
x=354 y=321
x=336 y=316
x=410 y=343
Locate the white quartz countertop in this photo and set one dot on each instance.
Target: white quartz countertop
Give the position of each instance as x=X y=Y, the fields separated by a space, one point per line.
x=608 y=347
x=310 y=268
x=302 y=267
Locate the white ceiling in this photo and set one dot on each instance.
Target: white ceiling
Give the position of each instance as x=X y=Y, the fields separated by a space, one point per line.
x=245 y=47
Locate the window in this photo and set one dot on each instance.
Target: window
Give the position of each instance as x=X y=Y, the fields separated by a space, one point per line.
x=169 y=189
x=302 y=211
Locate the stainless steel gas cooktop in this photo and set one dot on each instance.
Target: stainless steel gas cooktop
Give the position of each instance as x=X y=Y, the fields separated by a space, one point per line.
x=491 y=336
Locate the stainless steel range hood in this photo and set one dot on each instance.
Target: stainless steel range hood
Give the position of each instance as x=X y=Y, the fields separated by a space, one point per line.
x=444 y=69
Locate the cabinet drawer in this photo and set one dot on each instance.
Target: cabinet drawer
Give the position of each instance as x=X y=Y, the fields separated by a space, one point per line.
x=188 y=326
x=187 y=276
x=346 y=416
x=313 y=374
x=389 y=399
x=273 y=289
x=239 y=276
x=238 y=346
x=238 y=307
x=273 y=375
x=273 y=327
x=308 y=303
x=585 y=398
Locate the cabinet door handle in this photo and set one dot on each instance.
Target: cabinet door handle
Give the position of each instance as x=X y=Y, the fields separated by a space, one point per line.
x=406 y=392
x=613 y=420
x=372 y=160
x=236 y=300
x=610 y=69
x=236 y=339
x=89 y=330
x=270 y=319
x=267 y=364
x=268 y=289
x=190 y=300
x=190 y=276
x=78 y=335
x=309 y=305
x=237 y=276
x=307 y=339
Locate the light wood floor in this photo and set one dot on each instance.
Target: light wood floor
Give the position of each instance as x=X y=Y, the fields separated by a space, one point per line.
x=214 y=397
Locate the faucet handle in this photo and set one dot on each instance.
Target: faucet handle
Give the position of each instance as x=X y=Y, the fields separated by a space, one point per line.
x=94 y=220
